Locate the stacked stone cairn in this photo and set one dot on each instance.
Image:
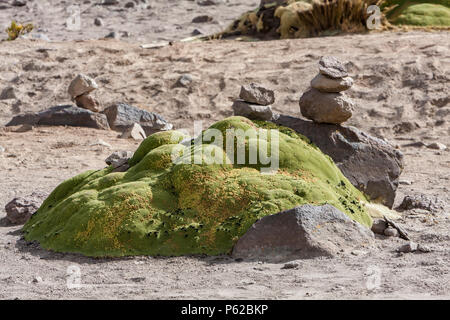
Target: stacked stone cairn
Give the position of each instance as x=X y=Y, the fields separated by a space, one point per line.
x=255 y=103
x=325 y=101
x=80 y=90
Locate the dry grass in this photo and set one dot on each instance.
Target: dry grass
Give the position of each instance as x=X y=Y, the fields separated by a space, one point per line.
x=297 y=19
x=335 y=15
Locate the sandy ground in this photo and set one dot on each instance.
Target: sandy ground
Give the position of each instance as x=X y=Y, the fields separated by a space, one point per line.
x=401 y=92
x=146 y=21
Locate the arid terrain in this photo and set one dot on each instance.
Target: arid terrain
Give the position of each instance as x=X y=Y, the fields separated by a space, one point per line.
x=401 y=93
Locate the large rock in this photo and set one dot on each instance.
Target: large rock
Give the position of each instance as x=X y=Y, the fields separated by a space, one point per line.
x=82 y=84
x=19 y=210
x=257 y=94
x=371 y=164
x=326 y=107
x=303 y=232
x=332 y=67
x=326 y=84
x=122 y=116
x=63 y=115
x=253 y=111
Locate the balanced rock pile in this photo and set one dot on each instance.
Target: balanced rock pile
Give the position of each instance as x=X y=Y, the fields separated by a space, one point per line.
x=255 y=103
x=131 y=121
x=80 y=91
x=325 y=101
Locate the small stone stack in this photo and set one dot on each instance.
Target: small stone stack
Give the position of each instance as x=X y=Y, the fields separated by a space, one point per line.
x=80 y=91
x=325 y=101
x=255 y=103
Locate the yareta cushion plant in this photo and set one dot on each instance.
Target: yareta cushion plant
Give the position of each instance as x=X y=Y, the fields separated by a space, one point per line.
x=174 y=200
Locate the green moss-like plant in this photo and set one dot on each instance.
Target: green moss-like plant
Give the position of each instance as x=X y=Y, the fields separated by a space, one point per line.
x=422 y=13
x=164 y=205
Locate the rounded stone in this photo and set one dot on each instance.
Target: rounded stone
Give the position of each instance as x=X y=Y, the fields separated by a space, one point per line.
x=323 y=107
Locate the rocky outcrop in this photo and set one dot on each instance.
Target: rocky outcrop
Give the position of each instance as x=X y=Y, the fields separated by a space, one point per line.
x=371 y=164
x=122 y=116
x=302 y=232
x=63 y=115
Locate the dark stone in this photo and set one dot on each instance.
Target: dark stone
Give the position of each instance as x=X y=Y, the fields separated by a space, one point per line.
x=371 y=164
x=202 y=19
x=119 y=158
x=19 y=210
x=379 y=226
x=122 y=116
x=63 y=115
x=302 y=232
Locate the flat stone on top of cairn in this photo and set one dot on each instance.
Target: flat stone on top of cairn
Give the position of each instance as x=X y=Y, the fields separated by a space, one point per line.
x=255 y=103
x=257 y=94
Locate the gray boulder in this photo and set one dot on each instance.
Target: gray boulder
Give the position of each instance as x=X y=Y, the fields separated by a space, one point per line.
x=324 y=107
x=257 y=94
x=63 y=115
x=371 y=164
x=253 y=111
x=326 y=84
x=302 y=232
x=122 y=116
x=332 y=67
